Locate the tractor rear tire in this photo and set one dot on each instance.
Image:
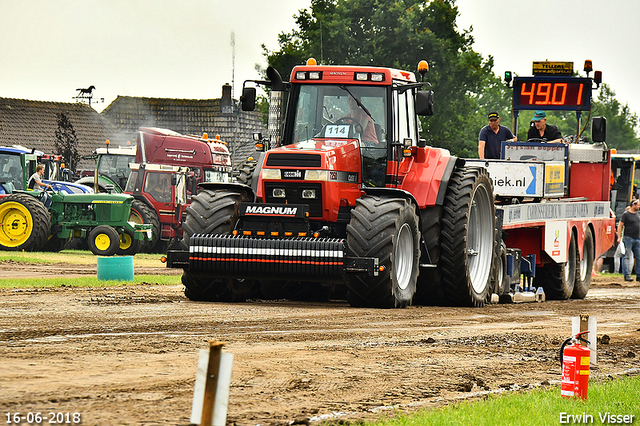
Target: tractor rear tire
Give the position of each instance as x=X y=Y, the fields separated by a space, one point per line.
x=104 y=240
x=429 y=289
x=583 y=272
x=386 y=228
x=558 y=279
x=143 y=214
x=467 y=238
x=56 y=244
x=214 y=212
x=245 y=171
x=26 y=223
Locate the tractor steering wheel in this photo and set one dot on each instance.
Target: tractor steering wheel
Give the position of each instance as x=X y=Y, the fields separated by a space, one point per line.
x=353 y=121
x=536 y=140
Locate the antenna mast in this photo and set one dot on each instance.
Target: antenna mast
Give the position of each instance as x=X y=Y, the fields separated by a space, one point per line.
x=233 y=63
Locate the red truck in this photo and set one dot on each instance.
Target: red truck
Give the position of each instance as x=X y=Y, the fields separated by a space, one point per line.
x=168 y=166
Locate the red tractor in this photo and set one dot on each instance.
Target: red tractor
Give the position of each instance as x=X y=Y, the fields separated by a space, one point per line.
x=352 y=202
x=167 y=167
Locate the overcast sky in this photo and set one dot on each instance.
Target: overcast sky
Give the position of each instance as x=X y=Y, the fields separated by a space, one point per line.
x=182 y=48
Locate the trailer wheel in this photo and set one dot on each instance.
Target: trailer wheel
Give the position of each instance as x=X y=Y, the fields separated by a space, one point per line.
x=214 y=212
x=24 y=223
x=558 y=279
x=386 y=228
x=583 y=273
x=500 y=281
x=201 y=288
x=104 y=240
x=141 y=214
x=467 y=237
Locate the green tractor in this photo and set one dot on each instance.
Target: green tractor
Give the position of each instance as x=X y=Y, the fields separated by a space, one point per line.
x=38 y=220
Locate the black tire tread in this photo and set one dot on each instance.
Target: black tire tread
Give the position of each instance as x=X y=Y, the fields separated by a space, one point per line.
x=456 y=282
x=581 y=287
x=149 y=217
x=371 y=233
x=41 y=222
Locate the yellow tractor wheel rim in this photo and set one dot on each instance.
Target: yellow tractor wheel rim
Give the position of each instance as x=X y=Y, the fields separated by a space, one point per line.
x=102 y=242
x=125 y=241
x=16 y=224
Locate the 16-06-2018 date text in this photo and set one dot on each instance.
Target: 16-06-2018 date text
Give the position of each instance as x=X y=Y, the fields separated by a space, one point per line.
x=51 y=418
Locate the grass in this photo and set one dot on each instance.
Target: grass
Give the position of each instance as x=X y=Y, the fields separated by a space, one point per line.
x=88 y=281
x=79 y=257
x=535 y=408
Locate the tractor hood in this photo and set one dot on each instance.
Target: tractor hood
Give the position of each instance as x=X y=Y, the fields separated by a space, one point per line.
x=325 y=154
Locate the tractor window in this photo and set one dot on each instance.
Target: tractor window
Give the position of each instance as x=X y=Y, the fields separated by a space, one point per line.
x=405 y=127
x=115 y=166
x=131 y=183
x=11 y=170
x=321 y=106
x=158 y=185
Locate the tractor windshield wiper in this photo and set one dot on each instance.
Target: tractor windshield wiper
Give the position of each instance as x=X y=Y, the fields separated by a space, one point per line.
x=364 y=108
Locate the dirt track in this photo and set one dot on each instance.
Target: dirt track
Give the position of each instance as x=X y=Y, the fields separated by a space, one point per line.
x=128 y=355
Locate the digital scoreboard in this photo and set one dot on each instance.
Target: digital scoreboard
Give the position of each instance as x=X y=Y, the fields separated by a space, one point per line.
x=552 y=93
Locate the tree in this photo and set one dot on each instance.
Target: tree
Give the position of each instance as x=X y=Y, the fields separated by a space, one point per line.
x=66 y=142
x=398 y=34
x=622 y=124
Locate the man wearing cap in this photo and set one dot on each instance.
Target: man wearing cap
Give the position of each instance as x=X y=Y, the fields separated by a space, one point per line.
x=491 y=137
x=539 y=129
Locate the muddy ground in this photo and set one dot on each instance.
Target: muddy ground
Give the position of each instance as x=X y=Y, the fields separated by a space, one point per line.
x=128 y=355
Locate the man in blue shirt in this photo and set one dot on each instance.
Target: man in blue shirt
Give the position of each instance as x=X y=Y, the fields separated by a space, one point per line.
x=491 y=137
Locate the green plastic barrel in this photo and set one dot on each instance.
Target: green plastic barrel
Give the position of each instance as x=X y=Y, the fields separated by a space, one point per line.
x=118 y=268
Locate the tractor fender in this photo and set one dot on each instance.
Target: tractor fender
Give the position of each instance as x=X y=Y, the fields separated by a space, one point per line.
x=233 y=187
x=391 y=193
x=428 y=180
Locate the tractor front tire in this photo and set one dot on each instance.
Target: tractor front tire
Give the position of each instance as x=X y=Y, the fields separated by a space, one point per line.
x=386 y=228
x=25 y=223
x=211 y=212
x=203 y=288
x=467 y=238
x=214 y=212
x=104 y=240
x=128 y=244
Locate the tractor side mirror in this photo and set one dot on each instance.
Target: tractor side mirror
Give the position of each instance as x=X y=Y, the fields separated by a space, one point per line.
x=599 y=129
x=248 y=99
x=424 y=102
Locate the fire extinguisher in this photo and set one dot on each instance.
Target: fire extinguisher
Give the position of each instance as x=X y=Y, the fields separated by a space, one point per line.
x=574 y=361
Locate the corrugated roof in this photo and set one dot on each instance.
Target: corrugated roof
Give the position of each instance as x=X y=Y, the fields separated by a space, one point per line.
x=32 y=124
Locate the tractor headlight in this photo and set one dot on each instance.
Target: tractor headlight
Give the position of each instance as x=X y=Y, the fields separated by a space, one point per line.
x=278 y=193
x=308 y=193
x=271 y=174
x=316 y=175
